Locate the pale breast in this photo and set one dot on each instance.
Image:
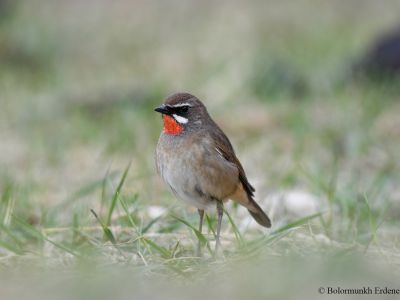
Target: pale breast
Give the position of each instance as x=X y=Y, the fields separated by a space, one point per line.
x=194 y=170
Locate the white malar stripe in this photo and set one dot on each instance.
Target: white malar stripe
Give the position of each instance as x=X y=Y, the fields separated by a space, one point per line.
x=180 y=119
x=179 y=105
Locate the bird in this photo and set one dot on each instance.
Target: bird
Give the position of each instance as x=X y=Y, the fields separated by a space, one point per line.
x=197 y=162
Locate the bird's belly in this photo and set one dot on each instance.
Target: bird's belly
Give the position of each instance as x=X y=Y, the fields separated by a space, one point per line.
x=181 y=176
x=198 y=176
x=183 y=182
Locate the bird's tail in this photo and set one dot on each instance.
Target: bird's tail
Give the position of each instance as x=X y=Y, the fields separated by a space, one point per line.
x=258 y=214
x=245 y=198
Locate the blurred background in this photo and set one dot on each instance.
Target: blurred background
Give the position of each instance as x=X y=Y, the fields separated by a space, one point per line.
x=307 y=91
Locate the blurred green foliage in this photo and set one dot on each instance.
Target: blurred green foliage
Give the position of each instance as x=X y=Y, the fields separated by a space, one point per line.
x=78 y=84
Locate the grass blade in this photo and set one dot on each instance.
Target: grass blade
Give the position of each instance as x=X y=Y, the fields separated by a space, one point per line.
x=296 y=223
x=7 y=205
x=198 y=234
x=151 y=223
x=128 y=214
x=210 y=225
x=39 y=235
x=11 y=235
x=116 y=196
x=107 y=232
x=104 y=188
x=160 y=249
x=11 y=248
x=236 y=231
x=82 y=192
x=255 y=246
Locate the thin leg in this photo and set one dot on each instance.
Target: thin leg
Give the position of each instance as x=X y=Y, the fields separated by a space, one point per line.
x=220 y=212
x=201 y=214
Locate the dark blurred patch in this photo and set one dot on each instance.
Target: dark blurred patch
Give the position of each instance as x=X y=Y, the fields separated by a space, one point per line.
x=115 y=116
x=7 y=9
x=381 y=60
x=335 y=141
x=275 y=78
x=18 y=58
x=16 y=54
x=102 y=103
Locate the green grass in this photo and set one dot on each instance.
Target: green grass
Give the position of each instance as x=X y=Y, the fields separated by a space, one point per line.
x=80 y=200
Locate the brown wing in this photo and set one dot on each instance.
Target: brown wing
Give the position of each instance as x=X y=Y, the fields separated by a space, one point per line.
x=224 y=146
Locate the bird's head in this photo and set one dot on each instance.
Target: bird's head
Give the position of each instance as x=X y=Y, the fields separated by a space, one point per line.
x=181 y=111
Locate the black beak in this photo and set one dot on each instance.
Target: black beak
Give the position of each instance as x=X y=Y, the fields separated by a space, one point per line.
x=163 y=110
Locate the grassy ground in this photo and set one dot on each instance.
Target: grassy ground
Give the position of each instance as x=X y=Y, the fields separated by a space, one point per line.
x=78 y=86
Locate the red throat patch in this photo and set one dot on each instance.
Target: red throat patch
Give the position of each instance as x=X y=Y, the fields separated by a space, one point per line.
x=171 y=126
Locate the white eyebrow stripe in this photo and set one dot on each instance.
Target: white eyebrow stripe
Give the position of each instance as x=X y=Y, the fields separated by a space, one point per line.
x=180 y=119
x=179 y=105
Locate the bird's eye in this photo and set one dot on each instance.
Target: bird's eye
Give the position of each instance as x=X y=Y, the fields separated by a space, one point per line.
x=184 y=109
